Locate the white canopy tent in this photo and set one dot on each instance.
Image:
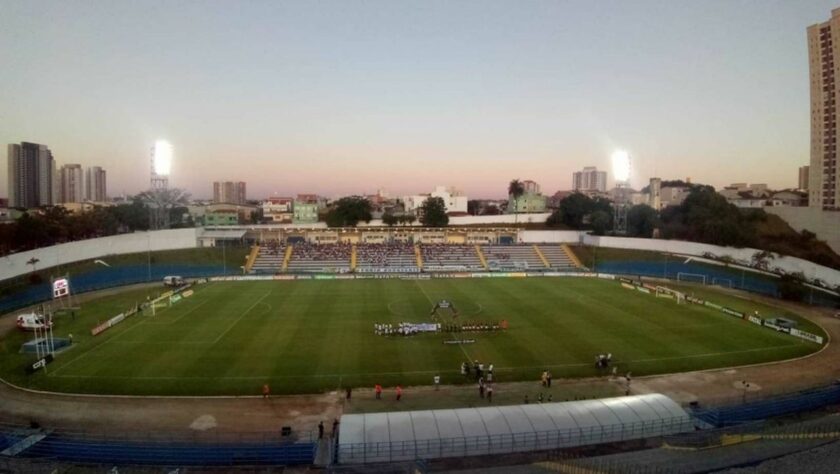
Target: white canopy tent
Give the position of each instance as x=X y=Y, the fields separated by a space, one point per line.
x=430 y=434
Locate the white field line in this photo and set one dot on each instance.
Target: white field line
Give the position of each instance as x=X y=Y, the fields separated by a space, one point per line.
x=431 y=302
x=94 y=349
x=179 y=317
x=236 y=321
x=418 y=372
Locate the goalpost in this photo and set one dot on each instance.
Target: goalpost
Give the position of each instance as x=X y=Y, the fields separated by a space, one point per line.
x=691 y=277
x=159 y=303
x=664 y=292
x=726 y=282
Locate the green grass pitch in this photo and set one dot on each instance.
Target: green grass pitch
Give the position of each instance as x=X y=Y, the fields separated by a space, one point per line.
x=311 y=336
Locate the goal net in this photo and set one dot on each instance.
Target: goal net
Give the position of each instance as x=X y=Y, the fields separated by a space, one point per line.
x=692 y=277
x=158 y=304
x=725 y=282
x=664 y=292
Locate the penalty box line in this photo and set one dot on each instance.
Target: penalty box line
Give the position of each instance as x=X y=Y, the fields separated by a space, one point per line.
x=415 y=372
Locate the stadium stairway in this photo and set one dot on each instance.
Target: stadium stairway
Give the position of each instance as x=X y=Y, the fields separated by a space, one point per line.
x=557 y=258
x=419 y=256
x=571 y=254
x=287 y=257
x=542 y=257
x=353 y=258
x=481 y=256
x=252 y=257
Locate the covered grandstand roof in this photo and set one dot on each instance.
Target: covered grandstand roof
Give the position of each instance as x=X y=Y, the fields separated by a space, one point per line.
x=429 y=434
x=226 y=234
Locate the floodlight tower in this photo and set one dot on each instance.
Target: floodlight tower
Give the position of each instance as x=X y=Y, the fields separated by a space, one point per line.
x=621 y=171
x=161 y=164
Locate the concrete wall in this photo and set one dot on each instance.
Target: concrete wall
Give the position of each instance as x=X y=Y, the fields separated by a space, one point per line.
x=744 y=255
x=551 y=236
x=469 y=220
x=826 y=224
x=15 y=264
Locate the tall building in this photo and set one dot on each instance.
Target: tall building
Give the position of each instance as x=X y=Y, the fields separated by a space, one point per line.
x=590 y=179
x=531 y=186
x=454 y=200
x=229 y=192
x=31 y=175
x=96 y=189
x=803 y=177
x=71 y=184
x=823 y=58
x=655 y=196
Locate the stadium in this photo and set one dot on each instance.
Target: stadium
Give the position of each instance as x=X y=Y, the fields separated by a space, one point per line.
x=241 y=340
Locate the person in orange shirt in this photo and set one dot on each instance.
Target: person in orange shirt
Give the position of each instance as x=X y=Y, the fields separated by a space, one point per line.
x=378 y=390
x=399 y=392
x=266 y=391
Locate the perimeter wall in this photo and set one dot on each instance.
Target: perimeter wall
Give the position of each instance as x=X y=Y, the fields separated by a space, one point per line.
x=16 y=264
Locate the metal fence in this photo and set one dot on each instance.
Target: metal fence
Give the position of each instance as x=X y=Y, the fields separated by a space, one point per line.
x=158 y=448
x=508 y=443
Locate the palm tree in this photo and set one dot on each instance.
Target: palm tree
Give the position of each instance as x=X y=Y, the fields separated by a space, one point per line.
x=515 y=190
x=33 y=261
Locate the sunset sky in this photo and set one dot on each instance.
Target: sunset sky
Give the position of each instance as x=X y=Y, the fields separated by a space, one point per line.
x=339 y=97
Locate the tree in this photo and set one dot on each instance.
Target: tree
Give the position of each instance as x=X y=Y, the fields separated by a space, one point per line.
x=473 y=207
x=600 y=222
x=434 y=213
x=790 y=287
x=706 y=216
x=348 y=211
x=515 y=190
x=641 y=221
x=573 y=209
x=407 y=219
x=389 y=219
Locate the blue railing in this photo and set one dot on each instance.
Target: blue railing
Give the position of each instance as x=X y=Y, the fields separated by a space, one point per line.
x=161 y=448
x=772 y=407
x=103 y=278
x=181 y=454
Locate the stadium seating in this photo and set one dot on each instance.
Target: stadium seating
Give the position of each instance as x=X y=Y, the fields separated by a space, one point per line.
x=396 y=257
x=437 y=257
x=557 y=257
x=772 y=407
x=308 y=257
x=270 y=258
x=103 y=451
x=512 y=257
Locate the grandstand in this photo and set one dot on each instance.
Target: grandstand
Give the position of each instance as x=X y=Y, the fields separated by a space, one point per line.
x=307 y=257
x=451 y=257
x=390 y=257
x=401 y=257
x=512 y=257
x=269 y=258
x=557 y=257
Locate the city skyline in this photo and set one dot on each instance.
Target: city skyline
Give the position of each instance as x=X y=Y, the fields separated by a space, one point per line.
x=349 y=97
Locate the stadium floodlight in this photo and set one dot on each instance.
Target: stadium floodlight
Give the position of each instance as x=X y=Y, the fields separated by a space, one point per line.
x=621 y=166
x=162 y=158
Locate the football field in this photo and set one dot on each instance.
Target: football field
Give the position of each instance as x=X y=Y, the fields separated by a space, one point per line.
x=318 y=335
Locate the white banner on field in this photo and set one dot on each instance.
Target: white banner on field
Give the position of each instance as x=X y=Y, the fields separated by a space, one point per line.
x=806 y=335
